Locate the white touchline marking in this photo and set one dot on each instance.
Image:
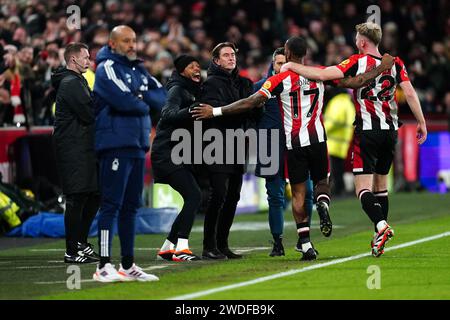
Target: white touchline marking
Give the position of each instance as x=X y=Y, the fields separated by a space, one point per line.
x=62 y=264
x=92 y=280
x=156 y=267
x=262 y=225
x=45 y=250
x=295 y=271
x=242 y=250
x=39 y=267
x=57 y=282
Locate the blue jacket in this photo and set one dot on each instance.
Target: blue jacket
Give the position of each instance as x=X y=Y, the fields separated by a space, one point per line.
x=124 y=92
x=271 y=119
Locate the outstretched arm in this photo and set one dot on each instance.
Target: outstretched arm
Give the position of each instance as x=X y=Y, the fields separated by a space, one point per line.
x=205 y=111
x=334 y=73
x=364 y=79
x=414 y=105
x=314 y=73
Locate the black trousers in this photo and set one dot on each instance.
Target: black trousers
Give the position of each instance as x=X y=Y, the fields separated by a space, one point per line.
x=80 y=211
x=185 y=183
x=225 y=194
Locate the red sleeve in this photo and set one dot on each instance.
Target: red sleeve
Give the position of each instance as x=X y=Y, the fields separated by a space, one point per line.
x=273 y=84
x=349 y=66
x=402 y=74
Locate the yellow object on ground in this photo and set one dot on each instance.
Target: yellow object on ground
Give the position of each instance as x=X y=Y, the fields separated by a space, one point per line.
x=8 y=210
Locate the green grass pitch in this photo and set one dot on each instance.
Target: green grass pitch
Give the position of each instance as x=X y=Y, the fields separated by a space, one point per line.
x=419 y=271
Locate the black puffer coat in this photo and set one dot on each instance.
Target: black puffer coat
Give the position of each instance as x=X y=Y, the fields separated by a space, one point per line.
x=181 y=94
x=222 y=88
x=74 y=133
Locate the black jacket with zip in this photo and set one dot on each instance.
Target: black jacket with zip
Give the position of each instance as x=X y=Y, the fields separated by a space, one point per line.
x=222 y=88
x=74 y=132
x=181 y=94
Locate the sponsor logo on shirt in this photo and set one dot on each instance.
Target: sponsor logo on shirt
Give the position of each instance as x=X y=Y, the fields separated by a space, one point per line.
x=267 y=85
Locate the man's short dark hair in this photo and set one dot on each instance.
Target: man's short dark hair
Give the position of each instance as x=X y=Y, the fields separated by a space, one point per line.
x=53 y=54
x=277 y=52
x=297 y=46
x=72 y=49
x=216 y=51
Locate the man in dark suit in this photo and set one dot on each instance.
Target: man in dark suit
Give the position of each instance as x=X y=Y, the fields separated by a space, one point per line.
x=223 y=86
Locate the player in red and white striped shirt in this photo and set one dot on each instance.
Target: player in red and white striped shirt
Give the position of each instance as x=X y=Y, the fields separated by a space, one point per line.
x=301 y=102
x=376 y=123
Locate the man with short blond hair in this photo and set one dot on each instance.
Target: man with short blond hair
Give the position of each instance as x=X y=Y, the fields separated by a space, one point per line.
x=371 y=31
x=376 y=124
x=301 y=102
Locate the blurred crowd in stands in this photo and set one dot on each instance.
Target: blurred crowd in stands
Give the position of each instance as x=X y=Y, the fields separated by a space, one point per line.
x=33 y=34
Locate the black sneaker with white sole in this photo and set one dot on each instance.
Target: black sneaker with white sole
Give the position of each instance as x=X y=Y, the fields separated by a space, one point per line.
x=86 y=249
x=309 y=255
x=185 y=255
x=78 y=259
x=326 y=226
x=298 y=247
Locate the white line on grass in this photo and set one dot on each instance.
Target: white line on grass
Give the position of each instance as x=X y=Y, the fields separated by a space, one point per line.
x=243 y=250
x=58 y=282
x=295 y=271
x=92 y=280
x=39 y=267
x=60 y=250
x=157 y=267
x=240 y=249
x=262 y=225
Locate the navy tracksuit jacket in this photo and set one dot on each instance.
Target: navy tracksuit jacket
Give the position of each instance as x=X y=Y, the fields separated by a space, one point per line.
x=124 y=93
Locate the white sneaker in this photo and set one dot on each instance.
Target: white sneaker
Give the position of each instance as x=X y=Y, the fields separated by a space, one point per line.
x=135 y=273
x=106 y=274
